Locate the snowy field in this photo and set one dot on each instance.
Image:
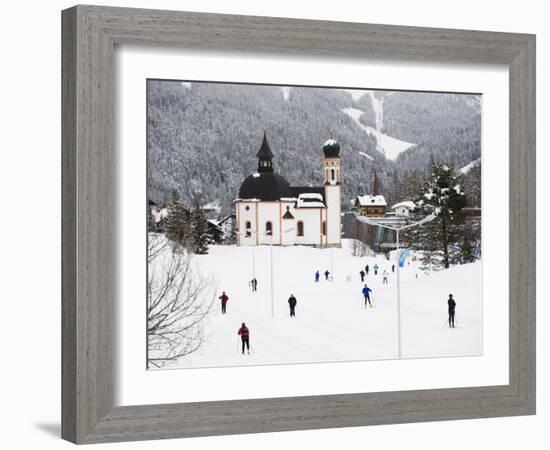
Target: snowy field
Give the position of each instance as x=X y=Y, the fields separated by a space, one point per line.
x=331 y=323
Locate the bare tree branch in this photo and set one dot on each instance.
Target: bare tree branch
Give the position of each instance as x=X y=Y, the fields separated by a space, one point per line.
x=179 y=300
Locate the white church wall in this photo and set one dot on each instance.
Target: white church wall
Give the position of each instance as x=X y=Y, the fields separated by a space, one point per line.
x=288 y=225
x=311 y=218
x=269 y=212
x=246 y=211
x=333 y=201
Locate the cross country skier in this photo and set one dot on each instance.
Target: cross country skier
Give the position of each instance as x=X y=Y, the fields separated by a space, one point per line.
x=393 y=268
x=224 y=298
x=385 y=275
x=452 y=306
x=362 y=273
x=367 y=269
x=375 y=267
x=244 y=333
x=317 y=274
x=254 y=284
x=327 y=273
x=292 y=304
x=366 y=293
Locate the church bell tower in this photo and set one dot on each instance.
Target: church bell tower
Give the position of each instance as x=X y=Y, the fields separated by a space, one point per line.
x=333 y=196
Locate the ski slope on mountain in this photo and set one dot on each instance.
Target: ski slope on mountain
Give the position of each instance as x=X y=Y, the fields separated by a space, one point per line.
x=389 y=146
x=331 y=323
x=464 y=170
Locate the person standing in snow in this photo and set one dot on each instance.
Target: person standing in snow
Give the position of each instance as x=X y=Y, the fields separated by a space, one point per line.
x=292 y=304
x=452 y=306
x=224 y=299
x=385 y=277
x=317 y=275
x=375 y=269
x=362 y=273
x=254 y=284
x=393 y=268
x=244 y=333
x=367 y=269
x=366 y=294
x=327 y=273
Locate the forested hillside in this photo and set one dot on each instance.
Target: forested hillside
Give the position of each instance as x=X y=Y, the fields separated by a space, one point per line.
x=203 y=137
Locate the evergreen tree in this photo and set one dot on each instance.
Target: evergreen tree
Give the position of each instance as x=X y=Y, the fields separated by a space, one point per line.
x=178 y=222
x=472 y=185
x=200 y=234
x=443 y=195
x=151 y=224
x=405 y=187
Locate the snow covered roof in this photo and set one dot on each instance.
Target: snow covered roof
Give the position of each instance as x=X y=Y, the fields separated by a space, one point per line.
x=310 y=200
x=330 y=142
x=214 y=223
x=159 y=213
x=407 y=204
x=371 y=200
x=212 y=206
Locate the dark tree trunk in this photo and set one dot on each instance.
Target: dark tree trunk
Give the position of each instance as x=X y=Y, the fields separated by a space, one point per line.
x=445 y=243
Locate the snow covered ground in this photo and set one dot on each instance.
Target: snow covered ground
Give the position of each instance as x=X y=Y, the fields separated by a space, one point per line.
x=464 y=170
x=389 y=146
x=331 y=323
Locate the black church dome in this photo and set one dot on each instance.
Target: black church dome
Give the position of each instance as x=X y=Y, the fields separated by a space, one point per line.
x=331 y=149
x=266 y=186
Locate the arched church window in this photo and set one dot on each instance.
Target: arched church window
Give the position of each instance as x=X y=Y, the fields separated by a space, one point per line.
x=332 y=174
x=268 y=228
x=248 y=226
x=324 y=227
x=300 y=230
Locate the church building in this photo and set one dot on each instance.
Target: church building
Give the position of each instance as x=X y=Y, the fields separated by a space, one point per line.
x=270 y=211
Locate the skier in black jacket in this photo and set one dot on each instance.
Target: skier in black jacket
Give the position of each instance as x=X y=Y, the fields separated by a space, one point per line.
x=244 y=333
x=292 y=304
x=452 y=306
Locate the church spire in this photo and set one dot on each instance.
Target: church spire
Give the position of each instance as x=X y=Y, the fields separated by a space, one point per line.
x=375 y=185
x=264 y=155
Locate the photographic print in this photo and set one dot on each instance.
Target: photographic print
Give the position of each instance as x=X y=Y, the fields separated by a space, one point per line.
x=297 y=224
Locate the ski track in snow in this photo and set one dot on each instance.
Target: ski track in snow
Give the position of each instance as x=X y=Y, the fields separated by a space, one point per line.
x=387 y=145
x=331 y=323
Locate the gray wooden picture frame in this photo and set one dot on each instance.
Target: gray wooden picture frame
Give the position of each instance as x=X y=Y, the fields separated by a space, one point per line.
x=90 y=34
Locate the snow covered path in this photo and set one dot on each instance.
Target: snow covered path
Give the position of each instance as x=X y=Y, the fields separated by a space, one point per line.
x=389 y=146
x=331 y=323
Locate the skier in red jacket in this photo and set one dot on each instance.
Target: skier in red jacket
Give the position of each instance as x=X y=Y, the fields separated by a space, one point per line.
x=224 y=298
x=244 y=333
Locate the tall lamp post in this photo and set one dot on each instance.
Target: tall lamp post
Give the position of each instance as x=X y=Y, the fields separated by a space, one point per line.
x=397 y=229
x=270 y=234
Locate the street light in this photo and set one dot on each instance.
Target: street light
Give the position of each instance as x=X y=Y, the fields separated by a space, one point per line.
x=270 y=234
x=397 y=229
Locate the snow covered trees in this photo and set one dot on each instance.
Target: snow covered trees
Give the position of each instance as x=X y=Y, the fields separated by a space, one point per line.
x=200 y=236
x=443 y=194
x=178 y=222
x=178 y=302
x=185 y=228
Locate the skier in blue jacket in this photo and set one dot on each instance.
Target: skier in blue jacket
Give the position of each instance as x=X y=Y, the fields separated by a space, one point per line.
x=366 y=293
